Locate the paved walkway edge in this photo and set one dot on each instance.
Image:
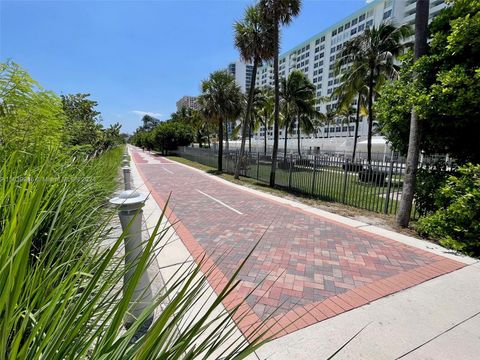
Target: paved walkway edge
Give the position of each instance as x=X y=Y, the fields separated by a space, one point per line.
x=305 y=316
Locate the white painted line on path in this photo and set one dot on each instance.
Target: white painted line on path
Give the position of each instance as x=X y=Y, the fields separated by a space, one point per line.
x=220 y=202
x=171 y=172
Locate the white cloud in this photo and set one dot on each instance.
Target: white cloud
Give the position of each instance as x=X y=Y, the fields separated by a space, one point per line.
x=143 y=113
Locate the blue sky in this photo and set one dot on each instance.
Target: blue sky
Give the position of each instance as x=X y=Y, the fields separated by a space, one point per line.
x=137 y=56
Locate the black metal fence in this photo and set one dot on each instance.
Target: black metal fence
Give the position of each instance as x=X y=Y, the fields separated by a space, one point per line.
x=376 y=186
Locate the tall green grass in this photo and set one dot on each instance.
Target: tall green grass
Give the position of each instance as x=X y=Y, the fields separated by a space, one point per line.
x=60 y=296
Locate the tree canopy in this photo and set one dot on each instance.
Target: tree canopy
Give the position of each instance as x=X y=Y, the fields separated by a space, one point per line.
x=446 y=91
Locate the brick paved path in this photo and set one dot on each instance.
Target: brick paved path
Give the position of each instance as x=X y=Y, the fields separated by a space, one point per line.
x=305 y=269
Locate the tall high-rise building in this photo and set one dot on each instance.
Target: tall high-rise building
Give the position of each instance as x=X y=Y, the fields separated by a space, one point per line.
x=242 y=72
x=317 y=55
x=189 y=102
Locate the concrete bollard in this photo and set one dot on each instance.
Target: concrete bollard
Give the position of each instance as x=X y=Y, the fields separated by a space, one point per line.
x=130 y=203
x=126 y=178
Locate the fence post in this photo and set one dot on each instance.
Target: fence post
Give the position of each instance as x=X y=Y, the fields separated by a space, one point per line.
x=345 y=177
x=130 y=204
x=389 y=186
x=290 y=171
x=314 y=173
x=237 y=159
x=258 y=164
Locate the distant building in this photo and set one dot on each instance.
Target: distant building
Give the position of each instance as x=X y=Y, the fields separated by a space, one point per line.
x=189 y=102
x=242 y=73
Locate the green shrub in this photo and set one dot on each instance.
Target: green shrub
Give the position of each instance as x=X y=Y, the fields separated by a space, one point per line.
x=456 y=223
x=430 y=179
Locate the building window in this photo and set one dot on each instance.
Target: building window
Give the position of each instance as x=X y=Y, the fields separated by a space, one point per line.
x=347 y=25
x=361 y=18
x=322 y=39
x=361 y=27
x=354 y=21
x=387 y=14
x=353 y=31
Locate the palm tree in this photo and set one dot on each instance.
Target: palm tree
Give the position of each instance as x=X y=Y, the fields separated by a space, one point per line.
x=307 y=121
x=420 y=49
x=278 y=13
x=297 y=103
x=253 y=38
x=371 y=57
x=262 y=110
x=352 y=88
x=328 y=117
x=221 y=100
x=346 y=114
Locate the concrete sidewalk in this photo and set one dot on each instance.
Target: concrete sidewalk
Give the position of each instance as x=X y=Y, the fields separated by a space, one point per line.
x=418 y=306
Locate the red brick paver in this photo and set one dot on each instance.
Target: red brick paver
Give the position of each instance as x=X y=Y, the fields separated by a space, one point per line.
x=305 y=269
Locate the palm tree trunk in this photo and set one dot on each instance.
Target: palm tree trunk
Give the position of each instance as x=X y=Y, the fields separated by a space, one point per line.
x=265 y=138
x=370 y=117
x=406 y=202
x=277 y=102
x=226 y=137
x=285 y=144
x=250 y=139
x=220 y=145
x=357 y=121
x=247 y=118
x=328 y=129
x=298 y=137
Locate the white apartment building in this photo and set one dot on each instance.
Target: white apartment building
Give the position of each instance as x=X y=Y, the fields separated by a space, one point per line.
x=243 y=74
x=189 y=102
x=317 y=55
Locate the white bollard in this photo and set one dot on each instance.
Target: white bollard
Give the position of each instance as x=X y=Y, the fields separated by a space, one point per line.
x=130 y=203
x=126 y=178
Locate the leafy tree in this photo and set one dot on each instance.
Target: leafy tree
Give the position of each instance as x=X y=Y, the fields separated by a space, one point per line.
x=253 y=38
x=445 y=91
x=370 y=57
x=31 y=119
x=221 y=100
x=82 y=125
x=192 y=117
x=278 y=12
x=169 y=135
x=406 y=202
x=149 y=122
